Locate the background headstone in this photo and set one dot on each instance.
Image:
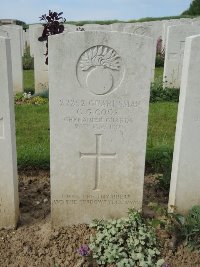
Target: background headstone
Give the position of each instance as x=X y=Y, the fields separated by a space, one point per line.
x=31 y=37
x=146 y=31
x=40 y=68
x=96 y=27
x=156 y=26
x=14 y=34
x=9 y=204
x=21 y=35
x=185 y=178
x=119 y=27
x=176 y=36
x=172 y=22
x=99 y=97
x=70 y=27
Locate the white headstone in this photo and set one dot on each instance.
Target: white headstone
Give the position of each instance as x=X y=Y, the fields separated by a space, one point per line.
x=70 y=27
x=3 y=33
x=97 y=27
x=31 y=37
x=40 y=68
x=14 y=33
x=196 y=20
x=99 y=86
x=146 y=31
x=156 y=26
x=185 y=179
x=21 y=35
x=176 y=36
x=171 y=22
x=9 y=204
x=119 y=27
x=139 y=29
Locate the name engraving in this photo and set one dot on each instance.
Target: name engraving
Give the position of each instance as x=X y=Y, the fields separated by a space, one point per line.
x=96 y=114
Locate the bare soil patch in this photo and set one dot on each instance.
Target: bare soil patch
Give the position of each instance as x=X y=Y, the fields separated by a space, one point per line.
x=35 y=243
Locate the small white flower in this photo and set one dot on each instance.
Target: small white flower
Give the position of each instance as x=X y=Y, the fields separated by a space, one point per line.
x=25 y=95
x=29 y=95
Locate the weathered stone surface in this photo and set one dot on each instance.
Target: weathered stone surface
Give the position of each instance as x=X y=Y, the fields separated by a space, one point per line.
x=172 y=22
x=185 y=182
x=40 y=68
x=9 y=205
x=156 y=26
x=97 y=27
x=70 y=27
x=31 y=37
x=3 y=33
x=99 y=96
x=21 y=35
x=176 y=36
x=146 y=31
x=119 y=27
x=138 y=29
x=14 y=33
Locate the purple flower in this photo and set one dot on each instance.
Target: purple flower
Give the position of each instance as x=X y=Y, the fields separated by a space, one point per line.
x=84 y=250
x=165 y=265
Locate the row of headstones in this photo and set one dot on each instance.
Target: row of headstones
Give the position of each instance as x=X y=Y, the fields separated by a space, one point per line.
x=173 y=40
x=15 y=33
x=99 y=97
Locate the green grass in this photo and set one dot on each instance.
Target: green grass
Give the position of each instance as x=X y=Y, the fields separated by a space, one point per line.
x=107 y=22
x=162 y=123
x=160 y=138
x=29 y=79
x=32 y=129
x=32 y=132
x=158 y=77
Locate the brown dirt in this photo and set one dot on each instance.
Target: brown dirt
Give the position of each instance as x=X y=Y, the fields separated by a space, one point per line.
x=35 y=243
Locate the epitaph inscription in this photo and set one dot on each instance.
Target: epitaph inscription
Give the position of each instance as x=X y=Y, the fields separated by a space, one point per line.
x=95 y=200
x=1 y=128
x=98 y=155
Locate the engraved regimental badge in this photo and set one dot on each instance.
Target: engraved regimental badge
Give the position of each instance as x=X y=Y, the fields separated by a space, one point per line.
x=100 y=70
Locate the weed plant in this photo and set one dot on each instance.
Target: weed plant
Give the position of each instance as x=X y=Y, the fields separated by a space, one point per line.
x=188 y=227
x=126 y=242
x=28 y=63
x=184 y=229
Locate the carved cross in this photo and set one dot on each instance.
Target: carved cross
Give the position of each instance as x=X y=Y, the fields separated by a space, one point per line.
x=98 y=155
